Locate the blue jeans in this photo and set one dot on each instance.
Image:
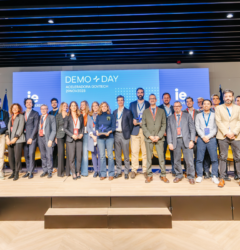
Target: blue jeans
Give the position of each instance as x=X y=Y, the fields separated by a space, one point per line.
x=211 y=146
x=102 y=144
x=84 y=164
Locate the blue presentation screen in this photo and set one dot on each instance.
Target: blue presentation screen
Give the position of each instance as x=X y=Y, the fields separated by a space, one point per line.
x=106 y=85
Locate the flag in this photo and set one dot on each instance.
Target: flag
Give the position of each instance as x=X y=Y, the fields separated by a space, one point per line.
x=5 y=103
x=221 y=95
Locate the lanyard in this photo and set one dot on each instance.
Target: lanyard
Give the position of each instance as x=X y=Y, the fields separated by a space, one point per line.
x=153 y=115
x=140 y=109
x=94 y=120
x=56 y=112
x=192 y=114
x=167 y=112
x=118 y=118
x=206 y=123
x=179 y=119
x=1 y=118
x=229 y=112
x=75 y=123
x=41 y=124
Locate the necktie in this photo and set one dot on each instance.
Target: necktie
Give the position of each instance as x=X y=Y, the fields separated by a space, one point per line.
x=153 y=110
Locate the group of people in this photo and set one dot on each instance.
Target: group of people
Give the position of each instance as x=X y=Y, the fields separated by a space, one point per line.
x=197 y=133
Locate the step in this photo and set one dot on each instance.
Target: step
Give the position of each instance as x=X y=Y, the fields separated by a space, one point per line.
x=108 y=218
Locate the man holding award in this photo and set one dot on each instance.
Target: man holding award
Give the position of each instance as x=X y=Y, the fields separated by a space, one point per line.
x=137 y=137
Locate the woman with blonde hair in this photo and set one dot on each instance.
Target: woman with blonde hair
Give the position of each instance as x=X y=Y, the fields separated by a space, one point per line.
x=74 y=128
x=61 y=140
x=15 y=138
x=92 y=138
x=84 y=110
x=105 y=126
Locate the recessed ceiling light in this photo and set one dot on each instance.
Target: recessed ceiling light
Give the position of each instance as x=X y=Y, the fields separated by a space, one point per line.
x=50 y=21
x=190 y=52
x=229 y=15
x=72 y=55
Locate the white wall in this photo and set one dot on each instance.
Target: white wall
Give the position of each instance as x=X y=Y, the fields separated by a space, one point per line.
x=226 y=74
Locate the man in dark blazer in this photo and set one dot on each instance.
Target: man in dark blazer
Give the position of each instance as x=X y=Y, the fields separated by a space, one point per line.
x=168 y=108
x=154 y=127
x=31 y=118
x=181 y=135
x=137 y=137
x=46 y=140
x=124 y=126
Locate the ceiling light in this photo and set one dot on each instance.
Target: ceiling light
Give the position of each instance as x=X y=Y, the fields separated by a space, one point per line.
x=190 y=52
x=50 y=21
x=72 y=55
x=229 y=15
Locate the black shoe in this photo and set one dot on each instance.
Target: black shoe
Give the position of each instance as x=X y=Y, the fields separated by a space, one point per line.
x=207 y=175
x=126 y=176
x=43 y=174
x=30 y=176
x=117 y=176
x=26 y=175
x=11 y=176
x=227 y=178
x=78 y=176
x=49 y=175
x=74 y=177
x=16 y=176
x=236 y=178
x=63 y=175
x=99 y=174
x=95 y=174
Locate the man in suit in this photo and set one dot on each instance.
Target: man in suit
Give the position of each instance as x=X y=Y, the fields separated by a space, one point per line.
x=30 y=130
x=137 y=137
x=168 y=108
x=154 y=127
x=4 y=119
x=46 y=137
x=227 y=118
x=181 y=135
x=124 y=126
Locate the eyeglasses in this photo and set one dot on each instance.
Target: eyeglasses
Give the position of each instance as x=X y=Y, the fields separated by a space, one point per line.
x=177 y=106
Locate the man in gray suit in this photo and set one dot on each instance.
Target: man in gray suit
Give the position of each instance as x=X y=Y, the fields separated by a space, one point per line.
x=154 y=127
x=46 y=136
x=181 y=135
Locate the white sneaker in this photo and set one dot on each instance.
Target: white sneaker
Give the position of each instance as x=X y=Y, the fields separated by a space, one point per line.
x=199 y=179
x=215 y=180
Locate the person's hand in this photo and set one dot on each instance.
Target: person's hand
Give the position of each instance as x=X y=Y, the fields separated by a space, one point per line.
x=94 y=138
x=80 y=136
x=107 y=134
x=74 y=137
x=196 y=137
x=230 y=135
x=191 y=144
x=152 y=138
x=49 y=143
x=13 y=141
x=205 y=139
x=170 y=146
x=56 y=140
x=8 y=141
x=97 y=133
x=165 y=134
x=156 y=138
x=135 y=122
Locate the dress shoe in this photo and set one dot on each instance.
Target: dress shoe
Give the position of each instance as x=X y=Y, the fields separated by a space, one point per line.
x=43 y=174
x=221 y=183
x=185 y=175
x=62 y=175
x=49 y=175
x=30 y=176
x=164 y=179
x=11 y=176
x=74 y=178
x=95 y=175
x=145 y=175
x=227 y=178
x=126 y=176
x=173 y=175
x=133 y=175
x=110 y=178
x=102 y=178
x=148 y=179
x=26 y=175
x=207 y=175
x=176 y=180
x=191 y=181
x=117 y=176
x=16 y=176
x=236 y=177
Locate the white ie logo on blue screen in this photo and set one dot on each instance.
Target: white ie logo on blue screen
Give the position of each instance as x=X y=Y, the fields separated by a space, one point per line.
x=34 y=97
x=180 y=96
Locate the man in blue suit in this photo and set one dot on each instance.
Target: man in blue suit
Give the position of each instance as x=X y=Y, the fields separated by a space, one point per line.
x=30 y=130
x=137 y=137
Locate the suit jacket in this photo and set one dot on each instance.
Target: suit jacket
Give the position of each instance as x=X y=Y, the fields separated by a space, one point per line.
x=127 y=122
x=195 y=114
x=153 y=127
x=31 y=125
x=188 y=130
x=162 y=107
x=69 y=127
x=18 y=127
x=5 y=117
x=223 y=122
x=50 y=129
x=60 y=126
x=133 y=109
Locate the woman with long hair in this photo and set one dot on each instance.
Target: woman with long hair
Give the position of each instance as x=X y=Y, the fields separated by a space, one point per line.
x=105 y=126
x=84 y=110
x=74 y=129
x=92 y=138
x=15 y=139
x=61 y=139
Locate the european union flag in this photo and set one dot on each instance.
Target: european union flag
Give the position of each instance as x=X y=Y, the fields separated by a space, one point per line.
x=5 y=103
x=221 y=95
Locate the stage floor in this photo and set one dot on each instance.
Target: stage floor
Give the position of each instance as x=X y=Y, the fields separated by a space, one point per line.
x=89 y=186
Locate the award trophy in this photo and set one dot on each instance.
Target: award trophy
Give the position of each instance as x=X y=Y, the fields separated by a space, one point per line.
x=139 y=119
x=101 y=129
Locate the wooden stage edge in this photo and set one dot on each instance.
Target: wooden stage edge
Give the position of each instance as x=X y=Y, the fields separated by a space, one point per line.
x=29 y=200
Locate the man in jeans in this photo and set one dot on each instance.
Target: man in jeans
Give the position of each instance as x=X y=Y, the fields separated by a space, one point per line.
x=207 y=129
x=228 y=121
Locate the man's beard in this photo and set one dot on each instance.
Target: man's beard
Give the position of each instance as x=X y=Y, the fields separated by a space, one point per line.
x=228 y=101
x=140 y=97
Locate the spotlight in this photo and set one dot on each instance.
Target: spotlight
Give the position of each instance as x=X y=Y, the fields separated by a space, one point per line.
x=230 y=15
x=72 y=55
x=50 y=21
x=190 y=52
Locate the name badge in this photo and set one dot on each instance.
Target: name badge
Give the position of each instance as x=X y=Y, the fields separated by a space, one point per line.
x=116 y=124
x=75 y=131
x=179 y=131
x=11 y=129
x=2 y=124
x=24 y=131
x=206 y=131
x=41 y=132
x=85 y=130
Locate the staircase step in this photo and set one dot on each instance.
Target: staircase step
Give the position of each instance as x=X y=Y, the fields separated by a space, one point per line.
x=108 y=218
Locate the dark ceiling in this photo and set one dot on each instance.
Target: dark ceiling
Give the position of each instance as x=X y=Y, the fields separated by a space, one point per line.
x=118 y=32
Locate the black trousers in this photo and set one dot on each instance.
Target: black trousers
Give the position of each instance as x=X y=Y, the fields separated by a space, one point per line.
x=61 y=157
x=55 y=156
x=75 y=150
x=14 y=156
x=29 y=154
